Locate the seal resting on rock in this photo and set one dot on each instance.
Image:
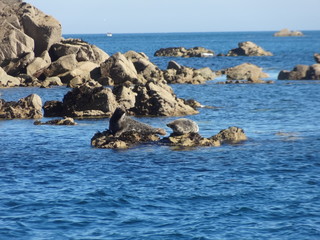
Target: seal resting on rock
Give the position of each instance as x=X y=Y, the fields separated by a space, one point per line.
x=120 y=123
x=183 y=126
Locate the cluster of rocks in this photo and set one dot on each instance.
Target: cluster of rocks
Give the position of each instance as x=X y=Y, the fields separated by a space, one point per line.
x=303 y=72
x=93 y=100
x=287 y=33
x=125 y=132
x=28 y=107
x=248 y=49
x=184 y=52
x=245 y=73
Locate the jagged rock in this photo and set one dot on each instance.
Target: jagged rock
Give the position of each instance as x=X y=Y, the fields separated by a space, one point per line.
x=317 y=57
x=28 y=81
x=158 y=99
x=301 y=72
x=176 y=73
x=64 y=121
x=246 y=71
x=62 y=65
x=7 y=80
x=120 y=70
x=125 y=95
x=183 y=52
x=143 y=66
x=248 y=49
x=287 y=33
x=183 y=126
x=18 y=66
x=28 y=107
x=128 y=139
x=231 y=135
x=86 y=101
x=38 y=64
x=83 y=51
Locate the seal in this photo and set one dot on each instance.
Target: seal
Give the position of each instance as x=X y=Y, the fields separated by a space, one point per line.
x=183 y=126
x=120 y=123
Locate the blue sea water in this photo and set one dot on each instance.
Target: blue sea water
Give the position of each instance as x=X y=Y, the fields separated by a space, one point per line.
x=54 y=185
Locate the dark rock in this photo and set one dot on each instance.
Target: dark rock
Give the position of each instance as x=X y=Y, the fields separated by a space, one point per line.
x=183 y=52
x=301 y=72
x=317 y=57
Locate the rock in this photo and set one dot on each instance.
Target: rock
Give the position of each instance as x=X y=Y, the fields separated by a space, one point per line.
x=119 y=69
x=14 y=42
x=189 y=140
x=317 y=57
x=51 y=81
x=28 y=107
x=125 y=95
x=126 y=140
x=183 y=126
x=120 y=123
x=64 y=121
x=7 y=80
x=231 y=135
x=62 y=65
x=301 y=72
x=37 y=65
x=18 y=66
x=44 y=29
x=53 y=109
x=176 y=73
x=183 y=52
x=144 y=67
x=287 y=33
x=83 y=51
x=248 y=49
x=246 y=71
x=158 y=99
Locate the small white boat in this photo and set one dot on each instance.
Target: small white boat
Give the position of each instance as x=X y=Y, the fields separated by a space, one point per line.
x=109 y=34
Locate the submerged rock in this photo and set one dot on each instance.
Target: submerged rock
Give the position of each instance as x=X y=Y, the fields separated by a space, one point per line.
x=64 y=121
x=28 y=107
x=183 y=52
x=248 y=49
x=287 y=33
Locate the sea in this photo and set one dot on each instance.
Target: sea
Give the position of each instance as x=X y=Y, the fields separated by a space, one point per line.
x=56 y=186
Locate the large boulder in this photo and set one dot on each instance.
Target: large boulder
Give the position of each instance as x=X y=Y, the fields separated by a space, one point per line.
x=158 y=99
x=245 y=73
x=248 y=49
x=90 y=100
x=183 y=52
x=176 y=73
x=28 y=107
x=287 y=33
x=120 y=70
x=301 y=72
x=7 y=80
x=83 y=51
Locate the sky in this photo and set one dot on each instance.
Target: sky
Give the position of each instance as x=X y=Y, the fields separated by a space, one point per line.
x=154 y=16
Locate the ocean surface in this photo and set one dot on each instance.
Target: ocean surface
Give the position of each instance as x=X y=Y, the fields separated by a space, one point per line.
x=54 y=185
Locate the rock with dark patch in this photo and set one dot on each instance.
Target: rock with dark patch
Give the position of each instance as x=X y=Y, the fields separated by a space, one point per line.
x=248 y=49
x=28 y=107
x=317 y=57
x=301 y=72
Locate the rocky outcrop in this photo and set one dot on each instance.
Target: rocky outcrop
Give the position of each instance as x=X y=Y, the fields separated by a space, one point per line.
x=317 y=57
x=158 y=99
x=89 y=100
x=28 y=107
x=231 y=135
x=248 y=49
x=287 y=33
x=245 y=73
x=65 y=121
x=25 y=29
x=301 y=72
x=183 y=52
x=176 y=73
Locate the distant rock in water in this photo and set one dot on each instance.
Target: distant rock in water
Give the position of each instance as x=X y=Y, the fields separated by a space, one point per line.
x=248 y=49
x=245 y=73
x=25 y=108
x=183 y=52
x=301 y=72
x=65 y=121
x=287 y=33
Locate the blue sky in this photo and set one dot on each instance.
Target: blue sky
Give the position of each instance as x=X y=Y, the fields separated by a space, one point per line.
x=142 y=16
